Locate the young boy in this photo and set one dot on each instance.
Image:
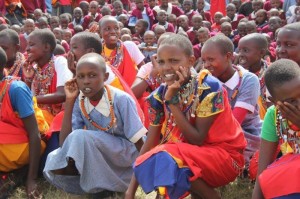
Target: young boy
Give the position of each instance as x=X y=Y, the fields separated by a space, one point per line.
x=205 y=14
x=102 y=122
x=142 y=11
x=149 y=46
x=162 y=20
x=233 y=15
x=118 y=9
x=183 y=23
x=197 y=23
x=226 y=29
x=261 y=19
x=280 y=129
x=10 y=43
x=141 y=27
x=188 y=10
x=78 y=18
x=54 y=22
x=202 y=35
x=216 y=26
x=93 y=15
x=20 y=142
x=252 y=49
x=27 y=29
x=241 y=86
x=172 y=19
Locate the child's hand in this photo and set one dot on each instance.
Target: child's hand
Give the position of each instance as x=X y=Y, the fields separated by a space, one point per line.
x=71 y=89
x=290 y=112
x=71 y=62
x=28 y=70
x=154 y=71
x=174 y=88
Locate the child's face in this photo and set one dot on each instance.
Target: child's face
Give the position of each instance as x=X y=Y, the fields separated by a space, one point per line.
x=77 y=14
x=164 y=3
x=274 y=13
x=126 y=37
x=57 y=34
x=249 y=54
x=215 y=61
x=54 y=23
x=125 y=31
x=93 y=8
x=187 y=6
x=118 y=8
x=226 y=30
x=149 y=39
x=275 y=4
x=162 y=17
x=260 y=17
x=64 y=23
x=67 y=36
x=85 y=9
x=77 y=48
x=257 y=5
x=288 y=45
x=10 y=49
x=159 y=32
x=274 y=24
x=43 y=24
x=251 y=29
x=37 y=15
x=152 y=3
x=217 y=18
x=200 y=4
x=288 y=92
x=172 y=20
x=139 y=28
x=36 y=49
x=230 y=10
x=90 y=79
x=110 y=32
x=203 y=37
x=242 y=30
x=28 y=28
x=139 y=4
x=182 y=22
x=123 y=20
x=170 y=58
x=197 y=22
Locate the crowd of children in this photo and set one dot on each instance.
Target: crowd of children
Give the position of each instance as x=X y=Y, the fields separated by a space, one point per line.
x=102 y=96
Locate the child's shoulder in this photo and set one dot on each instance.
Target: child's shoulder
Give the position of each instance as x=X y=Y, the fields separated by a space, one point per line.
x=209 y=81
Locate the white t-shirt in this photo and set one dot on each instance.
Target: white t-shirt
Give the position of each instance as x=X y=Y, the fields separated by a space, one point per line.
x=134 y=52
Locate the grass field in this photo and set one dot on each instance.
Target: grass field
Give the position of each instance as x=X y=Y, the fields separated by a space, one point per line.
x=239 y=189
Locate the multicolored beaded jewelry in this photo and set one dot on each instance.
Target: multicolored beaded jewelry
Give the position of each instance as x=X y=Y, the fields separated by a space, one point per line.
x=43 y=77
x=15 y=69
x=111 y=112
x=236 y=90
x=188 y=99
x=286 y=133
x=3 y=89
x=261 y=78
x=116 y=57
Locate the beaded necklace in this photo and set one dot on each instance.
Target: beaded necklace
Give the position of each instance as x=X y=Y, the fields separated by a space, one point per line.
x=116 y=56
x=261 y=78
x=288 y=135
x=188 y=100
x=3 y=86
x=236 y=90
x=16 y=68
x=43 y=78
x=111 y=112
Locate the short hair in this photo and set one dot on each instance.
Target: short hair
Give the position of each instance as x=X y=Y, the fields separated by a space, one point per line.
x=292 y=26
x=164 y=36
x=105 y=9
x=59 y=50
x=95 y=58
x=117 y=2
x=262 y=11
x=54 y=17
x=149 y=32
x=3 y=27
x=10 y=34
x=28 y=21
x=46 y=37
x=259 y=39
x=143 y=22
x=107 y=18
x=3 y=59
x=280 y=72
x=89 y=40
x=179 y=41
x=224 y=43
x=203 y=30
x=226 y=24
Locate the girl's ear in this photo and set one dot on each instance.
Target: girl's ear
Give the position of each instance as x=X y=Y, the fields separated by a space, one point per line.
x=106 y=75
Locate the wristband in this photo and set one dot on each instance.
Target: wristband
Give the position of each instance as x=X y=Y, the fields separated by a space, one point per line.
x=173 y=100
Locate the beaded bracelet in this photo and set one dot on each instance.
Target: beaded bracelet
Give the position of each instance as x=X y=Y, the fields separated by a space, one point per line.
x=173 y=100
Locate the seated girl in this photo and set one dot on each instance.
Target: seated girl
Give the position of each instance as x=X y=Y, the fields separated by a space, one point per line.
x=187 y=114
x=100 y=137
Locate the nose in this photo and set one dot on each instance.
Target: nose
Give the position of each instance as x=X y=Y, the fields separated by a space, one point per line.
x=86 y=81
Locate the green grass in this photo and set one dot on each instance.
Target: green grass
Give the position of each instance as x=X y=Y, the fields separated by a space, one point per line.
x=239 y=189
